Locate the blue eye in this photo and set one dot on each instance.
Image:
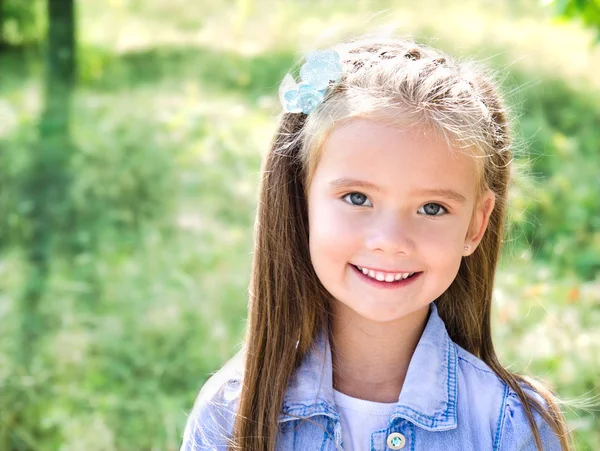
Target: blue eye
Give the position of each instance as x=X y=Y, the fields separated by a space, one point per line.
x=357 y=199
x=433 y=209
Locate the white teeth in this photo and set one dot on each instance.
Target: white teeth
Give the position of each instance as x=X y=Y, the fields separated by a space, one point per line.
x=388 y=277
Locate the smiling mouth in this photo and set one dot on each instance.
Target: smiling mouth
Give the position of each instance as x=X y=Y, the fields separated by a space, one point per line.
x=380 y=278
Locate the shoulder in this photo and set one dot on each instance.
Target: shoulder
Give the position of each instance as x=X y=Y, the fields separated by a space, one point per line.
x=514 y=431
x=471 y=363
x=210 y=422
x=486 y=392
x=481 y=394
x=478 y=381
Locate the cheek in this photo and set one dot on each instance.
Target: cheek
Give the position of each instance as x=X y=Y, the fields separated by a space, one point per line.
x=441 y=237
x=442 y=244
x=332 y=235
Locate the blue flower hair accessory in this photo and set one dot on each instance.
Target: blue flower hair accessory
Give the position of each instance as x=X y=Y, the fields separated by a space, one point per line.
x=321 y=68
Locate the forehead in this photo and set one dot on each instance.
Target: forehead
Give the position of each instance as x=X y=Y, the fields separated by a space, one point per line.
x=394 y=157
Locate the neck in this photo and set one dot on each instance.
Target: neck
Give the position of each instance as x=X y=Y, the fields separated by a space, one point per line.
x=370 y=359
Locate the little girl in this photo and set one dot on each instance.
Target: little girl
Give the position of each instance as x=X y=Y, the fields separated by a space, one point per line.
x=379 y=226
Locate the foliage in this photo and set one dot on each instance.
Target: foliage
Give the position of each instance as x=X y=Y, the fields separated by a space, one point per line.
x=555 y=206
x=588 y=11
x=22 y=22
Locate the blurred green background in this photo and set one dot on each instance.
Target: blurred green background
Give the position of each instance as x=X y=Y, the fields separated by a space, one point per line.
x=128 y=186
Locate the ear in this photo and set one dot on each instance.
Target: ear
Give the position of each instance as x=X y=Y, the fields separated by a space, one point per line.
x=479 y=220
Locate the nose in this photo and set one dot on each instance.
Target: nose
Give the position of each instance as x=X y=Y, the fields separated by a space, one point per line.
x=391 y=235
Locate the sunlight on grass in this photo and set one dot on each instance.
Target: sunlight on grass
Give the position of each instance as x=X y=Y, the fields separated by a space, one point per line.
x=526 y=40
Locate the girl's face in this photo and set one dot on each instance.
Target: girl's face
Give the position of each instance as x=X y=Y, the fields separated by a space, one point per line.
x=391 y=202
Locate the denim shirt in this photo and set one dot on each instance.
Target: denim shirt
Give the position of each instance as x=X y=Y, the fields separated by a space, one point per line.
x=450 y=400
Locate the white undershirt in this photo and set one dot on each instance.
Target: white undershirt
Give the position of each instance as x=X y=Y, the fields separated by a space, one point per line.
x=360 y=418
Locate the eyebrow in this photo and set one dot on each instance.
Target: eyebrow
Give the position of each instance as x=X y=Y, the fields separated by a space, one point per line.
x=446 y=193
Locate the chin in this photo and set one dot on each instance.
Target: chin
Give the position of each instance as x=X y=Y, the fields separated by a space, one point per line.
x=383 y=313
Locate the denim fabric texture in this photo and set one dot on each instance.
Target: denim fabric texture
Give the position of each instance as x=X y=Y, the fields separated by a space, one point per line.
x=450 y=400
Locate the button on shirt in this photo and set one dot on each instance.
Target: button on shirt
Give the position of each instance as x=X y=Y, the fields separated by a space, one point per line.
x=450 y=400
x=359 y=417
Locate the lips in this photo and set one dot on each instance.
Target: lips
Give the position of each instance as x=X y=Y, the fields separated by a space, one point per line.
x=384 y=275
x=384 y=283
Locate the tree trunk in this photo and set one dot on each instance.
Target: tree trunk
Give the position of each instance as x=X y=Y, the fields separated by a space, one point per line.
x=1 y=25
x=46 y=187
x=48 y=182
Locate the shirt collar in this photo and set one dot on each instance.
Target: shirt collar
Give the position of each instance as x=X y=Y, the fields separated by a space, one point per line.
x=428 y=397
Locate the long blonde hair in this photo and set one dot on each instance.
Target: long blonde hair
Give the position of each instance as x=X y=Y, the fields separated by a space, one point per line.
x=396 y=81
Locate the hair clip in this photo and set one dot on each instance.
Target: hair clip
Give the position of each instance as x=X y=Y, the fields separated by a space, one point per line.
x=320 y=69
